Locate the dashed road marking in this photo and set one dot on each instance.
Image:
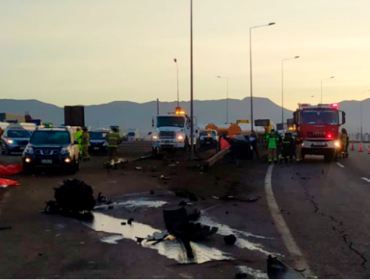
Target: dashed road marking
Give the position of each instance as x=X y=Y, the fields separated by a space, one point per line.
x=282 y=227
x=366 y=179
x=340 y=165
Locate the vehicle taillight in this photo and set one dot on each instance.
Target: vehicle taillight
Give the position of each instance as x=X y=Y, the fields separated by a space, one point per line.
x=334 y=105
x=329 y=135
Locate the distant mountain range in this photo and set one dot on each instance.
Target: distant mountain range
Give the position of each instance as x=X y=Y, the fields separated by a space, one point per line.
x=139 y=115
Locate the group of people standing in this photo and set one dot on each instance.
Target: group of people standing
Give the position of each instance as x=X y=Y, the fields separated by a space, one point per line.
x=284 y=148
x=83 y=139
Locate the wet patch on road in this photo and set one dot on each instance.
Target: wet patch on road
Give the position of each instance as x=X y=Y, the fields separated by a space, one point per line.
x=170 y=249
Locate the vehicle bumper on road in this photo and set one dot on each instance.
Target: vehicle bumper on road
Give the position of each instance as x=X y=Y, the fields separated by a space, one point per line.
x=319 y=147
x=168 y=144
x=60 y=161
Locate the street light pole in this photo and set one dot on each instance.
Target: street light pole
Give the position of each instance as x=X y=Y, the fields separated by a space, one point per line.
x=361 y=114
x=250 y=65
x=332 y=77
x=178 y=92
x=227 y=97
x=282 y=87
x=191 y=84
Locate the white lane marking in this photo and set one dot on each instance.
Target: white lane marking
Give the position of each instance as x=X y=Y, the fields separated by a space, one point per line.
x=366 y=179
x=340 y=165
x=282 y=227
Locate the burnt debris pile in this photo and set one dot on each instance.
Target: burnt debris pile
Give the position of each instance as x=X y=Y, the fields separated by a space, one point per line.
x=71 y=198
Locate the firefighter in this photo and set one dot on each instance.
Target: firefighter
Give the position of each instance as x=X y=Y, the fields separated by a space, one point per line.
x=272 y=139
x=287 y=148
x=78 y=138
x=298 y=147
x=344 y=139
x=85 y=141
x=113 y=142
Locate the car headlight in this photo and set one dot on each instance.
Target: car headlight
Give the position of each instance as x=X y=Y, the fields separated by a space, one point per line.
x=180 y=137
x=105 y=144
x=28 y=150
x=154 y=137
x=10 y=141
x=64 y=151
x=337 y=144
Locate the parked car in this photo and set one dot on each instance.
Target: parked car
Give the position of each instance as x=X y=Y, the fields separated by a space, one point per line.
x=14 y=139
x=99 y=141
x=52 y=147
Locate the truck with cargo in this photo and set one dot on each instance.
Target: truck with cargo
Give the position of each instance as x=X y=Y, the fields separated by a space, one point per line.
x=319 y=126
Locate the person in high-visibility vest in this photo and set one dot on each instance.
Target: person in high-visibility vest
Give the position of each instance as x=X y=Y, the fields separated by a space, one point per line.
x=287 y=150
x=78 y=138
x=113 y=142
x=85 y=141
x=344 y=139
x=298 y=147
x=273 y=140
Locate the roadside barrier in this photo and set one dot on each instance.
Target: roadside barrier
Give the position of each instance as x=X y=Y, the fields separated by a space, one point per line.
x=360 y=147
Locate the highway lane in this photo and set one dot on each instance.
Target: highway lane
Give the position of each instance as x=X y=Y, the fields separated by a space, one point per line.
x=325 y=206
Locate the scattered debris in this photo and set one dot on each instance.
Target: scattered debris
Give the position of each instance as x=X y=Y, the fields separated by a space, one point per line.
x=193 y=213
x=276 y=269
x=230 y=239
x=123 y=223
x=172 y=165
x=186 y=194
x=237 y=198
x=139 y=168
x=227 y=212
x=151 y=192
x=129 y=221
x=165 y=178
x=73 y=197
x=4 y=228
x=304 y=178
x=102 y=198
x=182 y=203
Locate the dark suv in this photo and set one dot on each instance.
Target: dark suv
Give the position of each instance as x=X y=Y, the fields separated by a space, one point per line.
x=52 y=147
x=98 y=141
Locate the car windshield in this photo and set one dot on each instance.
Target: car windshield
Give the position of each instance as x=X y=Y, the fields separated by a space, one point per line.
x=208 y=133
x=18 y=134
x=50 y=138
x=320 y=117
x=170 y=121
x=98 y=135
x=131 y=134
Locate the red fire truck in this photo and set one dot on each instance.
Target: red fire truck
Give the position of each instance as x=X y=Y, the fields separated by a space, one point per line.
x=319 y=127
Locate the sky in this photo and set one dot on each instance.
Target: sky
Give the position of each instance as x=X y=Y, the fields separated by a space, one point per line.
x=87 y=52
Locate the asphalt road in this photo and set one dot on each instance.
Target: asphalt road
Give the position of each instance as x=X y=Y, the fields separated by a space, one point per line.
x=323 y=204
